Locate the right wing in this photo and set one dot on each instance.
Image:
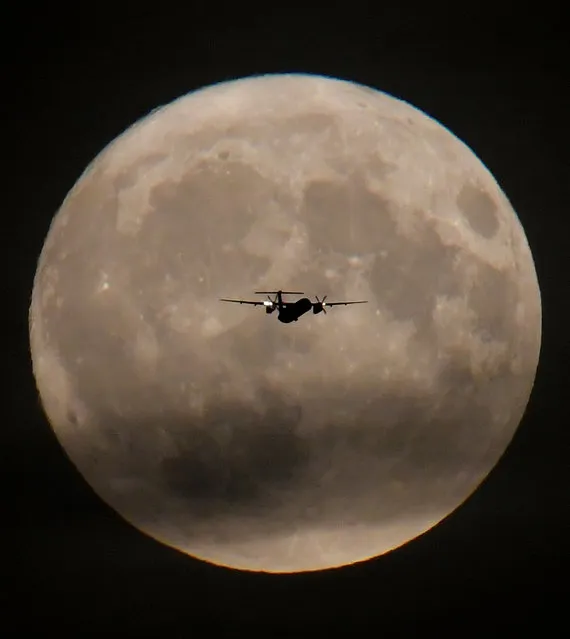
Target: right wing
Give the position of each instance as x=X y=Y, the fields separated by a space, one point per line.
x=344 y=303
x=223 y=299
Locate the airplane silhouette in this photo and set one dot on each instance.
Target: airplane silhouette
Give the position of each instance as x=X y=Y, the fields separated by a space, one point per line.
x=291 y=311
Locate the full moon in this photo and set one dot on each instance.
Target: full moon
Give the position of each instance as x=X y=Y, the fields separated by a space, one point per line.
x=245 y=442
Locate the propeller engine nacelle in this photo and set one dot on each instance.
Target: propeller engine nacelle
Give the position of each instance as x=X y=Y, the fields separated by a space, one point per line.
x=270 y=305
x=319 y=305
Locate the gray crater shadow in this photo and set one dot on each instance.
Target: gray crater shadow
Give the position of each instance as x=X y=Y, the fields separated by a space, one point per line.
x=397 y=456
x=236 y=458
x=376 y=459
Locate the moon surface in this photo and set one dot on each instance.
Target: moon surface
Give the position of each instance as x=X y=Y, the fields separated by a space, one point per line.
x=244 y=442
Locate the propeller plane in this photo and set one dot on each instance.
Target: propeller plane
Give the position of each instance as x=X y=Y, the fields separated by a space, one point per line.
x=288 y=312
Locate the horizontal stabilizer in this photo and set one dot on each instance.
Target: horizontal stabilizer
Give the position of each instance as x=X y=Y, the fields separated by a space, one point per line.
x=282 y=292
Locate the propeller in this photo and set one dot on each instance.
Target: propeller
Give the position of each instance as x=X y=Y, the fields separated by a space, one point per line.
x=322 y=303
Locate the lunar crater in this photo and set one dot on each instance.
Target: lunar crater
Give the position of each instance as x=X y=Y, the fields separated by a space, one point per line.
x=479 y=210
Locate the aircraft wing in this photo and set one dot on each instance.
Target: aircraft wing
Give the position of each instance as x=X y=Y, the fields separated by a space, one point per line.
x=344 y=303
x=223 y=299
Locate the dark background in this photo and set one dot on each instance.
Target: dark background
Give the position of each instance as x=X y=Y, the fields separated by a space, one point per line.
x=73 y=81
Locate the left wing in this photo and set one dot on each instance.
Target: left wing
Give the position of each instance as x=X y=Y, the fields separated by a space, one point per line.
x=344 y=303
x=223 y=299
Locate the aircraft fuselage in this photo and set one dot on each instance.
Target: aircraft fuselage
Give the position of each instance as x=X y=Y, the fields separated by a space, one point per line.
x=292 y=312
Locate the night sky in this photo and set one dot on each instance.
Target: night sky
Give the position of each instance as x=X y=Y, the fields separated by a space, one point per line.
x=71 y=83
